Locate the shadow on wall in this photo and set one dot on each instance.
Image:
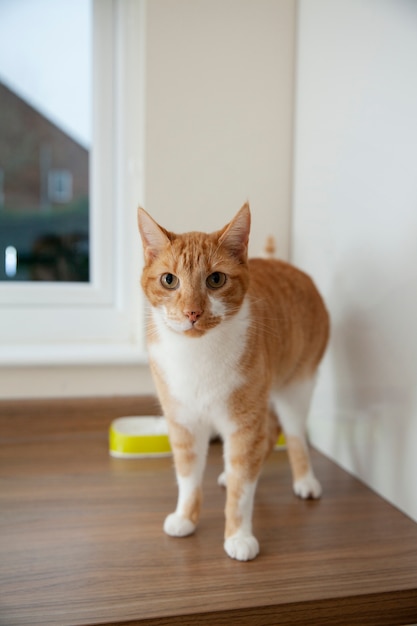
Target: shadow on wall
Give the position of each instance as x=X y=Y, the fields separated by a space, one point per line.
x=374 y=360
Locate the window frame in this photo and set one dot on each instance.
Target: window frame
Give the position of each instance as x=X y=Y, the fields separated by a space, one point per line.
x=101 y=321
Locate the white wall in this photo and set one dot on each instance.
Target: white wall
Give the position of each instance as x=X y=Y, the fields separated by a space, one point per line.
x=355 y=230
x=219 y=120
x=219 y=108
x=74 y=381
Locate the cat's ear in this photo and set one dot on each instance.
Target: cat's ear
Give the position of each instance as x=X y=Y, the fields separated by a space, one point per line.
x=235 y=236
x=154 y=237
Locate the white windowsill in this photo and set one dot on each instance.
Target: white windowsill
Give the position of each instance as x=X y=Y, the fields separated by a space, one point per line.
x=72 y=354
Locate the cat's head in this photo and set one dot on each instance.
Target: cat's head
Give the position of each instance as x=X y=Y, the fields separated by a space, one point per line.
x=195 y=280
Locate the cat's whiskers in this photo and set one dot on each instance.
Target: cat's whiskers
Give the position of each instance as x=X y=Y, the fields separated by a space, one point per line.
x=259 y=322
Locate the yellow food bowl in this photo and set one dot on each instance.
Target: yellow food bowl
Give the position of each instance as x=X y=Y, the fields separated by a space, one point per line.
x=138 y=437
x=280 y=442
x=145 y=436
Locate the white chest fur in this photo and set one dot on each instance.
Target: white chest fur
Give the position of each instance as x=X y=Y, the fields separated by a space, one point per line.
x=202 y=372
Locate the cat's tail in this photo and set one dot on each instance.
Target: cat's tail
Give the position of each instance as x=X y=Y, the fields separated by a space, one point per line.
x=270 y=248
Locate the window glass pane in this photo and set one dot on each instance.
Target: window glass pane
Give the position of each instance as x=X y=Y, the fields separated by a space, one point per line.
x=45 y=138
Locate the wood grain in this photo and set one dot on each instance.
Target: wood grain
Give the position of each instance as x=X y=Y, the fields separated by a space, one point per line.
x=81 y=538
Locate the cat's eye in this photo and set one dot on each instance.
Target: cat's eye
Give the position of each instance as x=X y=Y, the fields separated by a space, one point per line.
x=216 y=280
x=170 y=281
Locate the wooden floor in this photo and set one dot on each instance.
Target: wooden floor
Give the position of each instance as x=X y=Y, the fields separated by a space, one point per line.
x=81 y=538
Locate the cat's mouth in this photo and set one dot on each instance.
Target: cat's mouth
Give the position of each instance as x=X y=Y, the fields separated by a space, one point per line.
x=192 y=328
x=182 y=326
x=195 y=331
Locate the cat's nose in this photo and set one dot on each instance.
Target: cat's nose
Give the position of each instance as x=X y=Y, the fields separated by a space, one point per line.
x=193 y=315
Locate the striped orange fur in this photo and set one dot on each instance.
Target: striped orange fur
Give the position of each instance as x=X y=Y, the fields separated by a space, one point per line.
x=234 y=347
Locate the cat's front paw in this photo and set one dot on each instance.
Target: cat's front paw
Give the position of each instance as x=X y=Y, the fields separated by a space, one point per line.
x=242 y=547
x=307 y=487
x=178 y=526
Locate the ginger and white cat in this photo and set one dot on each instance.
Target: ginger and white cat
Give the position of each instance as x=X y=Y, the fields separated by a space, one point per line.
x=234 y=346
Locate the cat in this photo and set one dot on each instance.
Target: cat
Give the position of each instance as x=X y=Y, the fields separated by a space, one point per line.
x=233 y=344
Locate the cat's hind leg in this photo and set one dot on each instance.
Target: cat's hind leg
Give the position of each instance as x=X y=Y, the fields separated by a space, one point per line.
x=190 y=451
x=292 y=404
x=221 y=480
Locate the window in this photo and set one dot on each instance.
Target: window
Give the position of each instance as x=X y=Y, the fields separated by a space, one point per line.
x=2 y=198
x=60 y=186
x=45 y=137
x=97 y=315
x=10 y=261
